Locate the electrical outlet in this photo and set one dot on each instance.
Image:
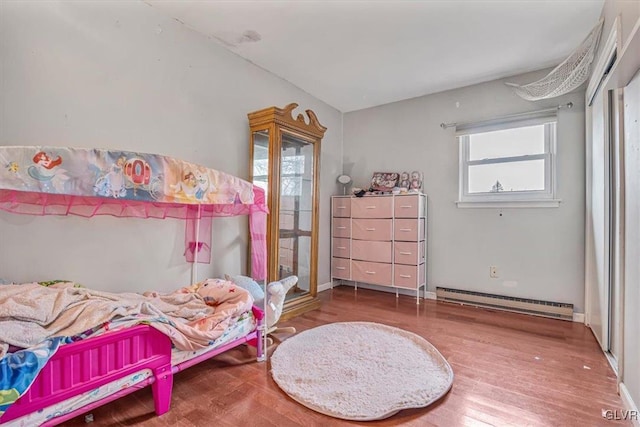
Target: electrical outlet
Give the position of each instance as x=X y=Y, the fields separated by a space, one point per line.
x=493 y=272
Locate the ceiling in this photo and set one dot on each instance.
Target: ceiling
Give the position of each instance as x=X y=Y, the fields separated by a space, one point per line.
x=359 y=54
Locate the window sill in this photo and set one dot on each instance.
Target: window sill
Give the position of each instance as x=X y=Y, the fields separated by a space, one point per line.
x=543 y=203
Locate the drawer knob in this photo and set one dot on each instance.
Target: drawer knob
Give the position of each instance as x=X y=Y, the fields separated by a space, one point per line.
x=406 y=229
x=405 y=276
x=405 y=253
x=341 y=268
x=371 y=229
x=370 y=272
x=341 y=228
x=406 y=206
x=370 y=207
x=342 y=207
x=342 y=247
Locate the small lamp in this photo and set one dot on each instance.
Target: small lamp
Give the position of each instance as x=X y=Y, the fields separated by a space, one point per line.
x=344 y=180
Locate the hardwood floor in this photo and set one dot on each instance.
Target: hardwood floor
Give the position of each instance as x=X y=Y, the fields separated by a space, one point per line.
x=510 y=370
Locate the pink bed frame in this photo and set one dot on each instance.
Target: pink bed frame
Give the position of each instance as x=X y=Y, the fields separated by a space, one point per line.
x=85 y=365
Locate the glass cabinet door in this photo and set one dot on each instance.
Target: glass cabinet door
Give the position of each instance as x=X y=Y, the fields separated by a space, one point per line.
x=260 y=161
x=296 y=212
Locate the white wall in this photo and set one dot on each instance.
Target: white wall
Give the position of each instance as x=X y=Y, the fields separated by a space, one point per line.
x=541 y=249
x=121 y=75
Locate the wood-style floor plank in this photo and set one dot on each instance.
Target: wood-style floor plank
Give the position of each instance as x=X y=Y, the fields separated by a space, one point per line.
x=510 y=370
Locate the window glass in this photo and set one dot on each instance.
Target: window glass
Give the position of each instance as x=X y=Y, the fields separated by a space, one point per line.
x=506 y=177
x=507 y=143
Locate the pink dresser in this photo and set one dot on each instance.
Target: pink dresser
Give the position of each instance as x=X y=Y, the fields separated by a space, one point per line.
x=380 y=240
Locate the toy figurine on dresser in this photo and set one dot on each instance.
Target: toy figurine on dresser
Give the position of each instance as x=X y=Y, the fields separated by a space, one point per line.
x=416 y=181
x=404 y=181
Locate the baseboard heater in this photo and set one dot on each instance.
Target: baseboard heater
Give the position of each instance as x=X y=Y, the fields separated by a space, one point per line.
x=556 y=310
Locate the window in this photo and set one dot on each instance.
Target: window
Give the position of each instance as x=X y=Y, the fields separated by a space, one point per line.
x=508 y=163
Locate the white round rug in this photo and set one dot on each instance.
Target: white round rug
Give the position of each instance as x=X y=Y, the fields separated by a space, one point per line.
x=360 y=370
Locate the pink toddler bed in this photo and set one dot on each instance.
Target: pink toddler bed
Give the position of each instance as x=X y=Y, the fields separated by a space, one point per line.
x=87 y=365
x=86 y=182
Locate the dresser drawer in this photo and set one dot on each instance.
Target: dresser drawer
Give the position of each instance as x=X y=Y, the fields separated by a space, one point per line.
x=371 y=272
x=341 y=227
x=408 y=206
x=341 y=207
x=372 y=207
x=341 y=248
x=372 y=229
x=341 y=268
x=371 y=251
x=406 y=276
x=408 y=253
x=409 y=230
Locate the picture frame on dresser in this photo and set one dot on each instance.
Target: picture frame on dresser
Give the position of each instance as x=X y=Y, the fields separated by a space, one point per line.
x=380 y=240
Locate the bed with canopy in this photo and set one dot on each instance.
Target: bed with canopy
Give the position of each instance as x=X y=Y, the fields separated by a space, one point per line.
x=139 y=349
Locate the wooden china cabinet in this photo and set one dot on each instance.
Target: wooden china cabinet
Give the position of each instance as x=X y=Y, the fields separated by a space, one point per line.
x=285 y=161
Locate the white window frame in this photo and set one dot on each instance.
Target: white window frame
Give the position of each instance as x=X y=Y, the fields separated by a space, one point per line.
x=509 y=199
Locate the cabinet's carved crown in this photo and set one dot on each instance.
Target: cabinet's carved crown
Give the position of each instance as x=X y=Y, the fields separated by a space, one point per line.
x=284 y=116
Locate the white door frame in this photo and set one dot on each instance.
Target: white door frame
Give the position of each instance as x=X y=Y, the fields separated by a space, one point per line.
x=613 y=204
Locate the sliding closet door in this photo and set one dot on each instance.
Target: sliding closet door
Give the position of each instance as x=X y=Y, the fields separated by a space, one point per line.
x=597 y=258
x=605 y=222
x=616 y=223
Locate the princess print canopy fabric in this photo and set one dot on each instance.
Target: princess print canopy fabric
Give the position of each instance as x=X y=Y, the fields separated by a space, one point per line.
x=86 y=182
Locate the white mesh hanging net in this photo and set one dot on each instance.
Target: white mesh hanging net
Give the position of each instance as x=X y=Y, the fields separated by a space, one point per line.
x=568 y=75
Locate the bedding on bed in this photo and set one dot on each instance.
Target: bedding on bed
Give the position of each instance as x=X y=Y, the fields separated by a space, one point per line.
x=31 y=316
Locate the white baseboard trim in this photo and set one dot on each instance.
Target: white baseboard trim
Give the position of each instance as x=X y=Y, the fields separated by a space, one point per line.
x=578 y=317
x=324 y=287
x=431 y=295
x=629 y=405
